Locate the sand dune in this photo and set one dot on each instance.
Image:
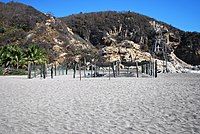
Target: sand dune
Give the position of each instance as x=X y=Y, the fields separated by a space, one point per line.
x=169 y=104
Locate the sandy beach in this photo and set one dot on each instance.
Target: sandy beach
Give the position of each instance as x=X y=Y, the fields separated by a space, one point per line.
x=169 y=104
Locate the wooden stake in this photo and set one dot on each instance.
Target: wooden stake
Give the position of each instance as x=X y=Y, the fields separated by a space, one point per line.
x=34 y=68
x=59 y=70
x=156 y=68
x=91 y=71
x=84 y=67
x=74 y=68
x=41 y=71
x=95 y=70
x=118 y=68
x=146 y=68
x=137 y=69
x=29 y=70
x=113 y=69
x=55 y=69
x=63 y=70
x=151 y=67
x=153 y=70
x=44 y=71
x=109 y=72
x=66 y=70
x=80 y=70
x=52 y=72
x=142 y=68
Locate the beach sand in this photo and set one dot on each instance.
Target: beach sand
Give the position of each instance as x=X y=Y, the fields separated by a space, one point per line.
x=169 y=104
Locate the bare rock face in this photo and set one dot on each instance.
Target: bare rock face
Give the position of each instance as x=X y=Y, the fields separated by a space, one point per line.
x=125 y=51
x=57 y=39
x=164 y=37
x=175 y=65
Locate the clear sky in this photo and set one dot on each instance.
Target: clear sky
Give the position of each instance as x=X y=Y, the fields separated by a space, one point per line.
x=183 y=14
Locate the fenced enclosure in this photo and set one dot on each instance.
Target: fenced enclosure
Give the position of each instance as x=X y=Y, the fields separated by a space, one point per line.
x=97 y=69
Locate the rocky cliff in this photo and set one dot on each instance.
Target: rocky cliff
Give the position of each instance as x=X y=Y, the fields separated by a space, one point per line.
x=113 y=28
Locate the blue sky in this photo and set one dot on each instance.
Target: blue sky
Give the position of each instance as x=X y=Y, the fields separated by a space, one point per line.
x=183 y=14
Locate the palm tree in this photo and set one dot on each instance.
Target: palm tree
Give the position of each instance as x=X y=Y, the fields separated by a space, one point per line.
x=6 y=56
x=11 y=56
x=17 y=58
x=35 y=55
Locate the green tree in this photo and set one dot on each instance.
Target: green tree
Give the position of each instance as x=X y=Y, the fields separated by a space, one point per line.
x=17 y=58
x=35 y=55
x=11 y=56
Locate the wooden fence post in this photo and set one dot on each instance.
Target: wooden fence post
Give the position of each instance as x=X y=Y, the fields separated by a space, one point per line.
x=95 y=70
x=29 y=70
x=147 y=64
x=79 y=69
x=59 y=70
x=151 y=71
x=63 y=72
x=137 y=69
x=52 y=72
x=74 y=68
x=55 y=69
x=44 y=71
x=34 y=68
x=109 y=71
x=84 y=67
x=149 y=68
x=113 y=69
x=156 y=68
x=66 y=70
x=91 y=71
x=41 y=71
x=142 y=68
x=118 y=68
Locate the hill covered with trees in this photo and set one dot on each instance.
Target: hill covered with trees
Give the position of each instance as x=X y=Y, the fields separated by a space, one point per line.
x=73 y=35
x=23 y=25
x=94 y=27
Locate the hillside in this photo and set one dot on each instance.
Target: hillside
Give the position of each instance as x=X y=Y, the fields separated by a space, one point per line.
x=119 y=36
x=101 y=28
x=23 y=25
